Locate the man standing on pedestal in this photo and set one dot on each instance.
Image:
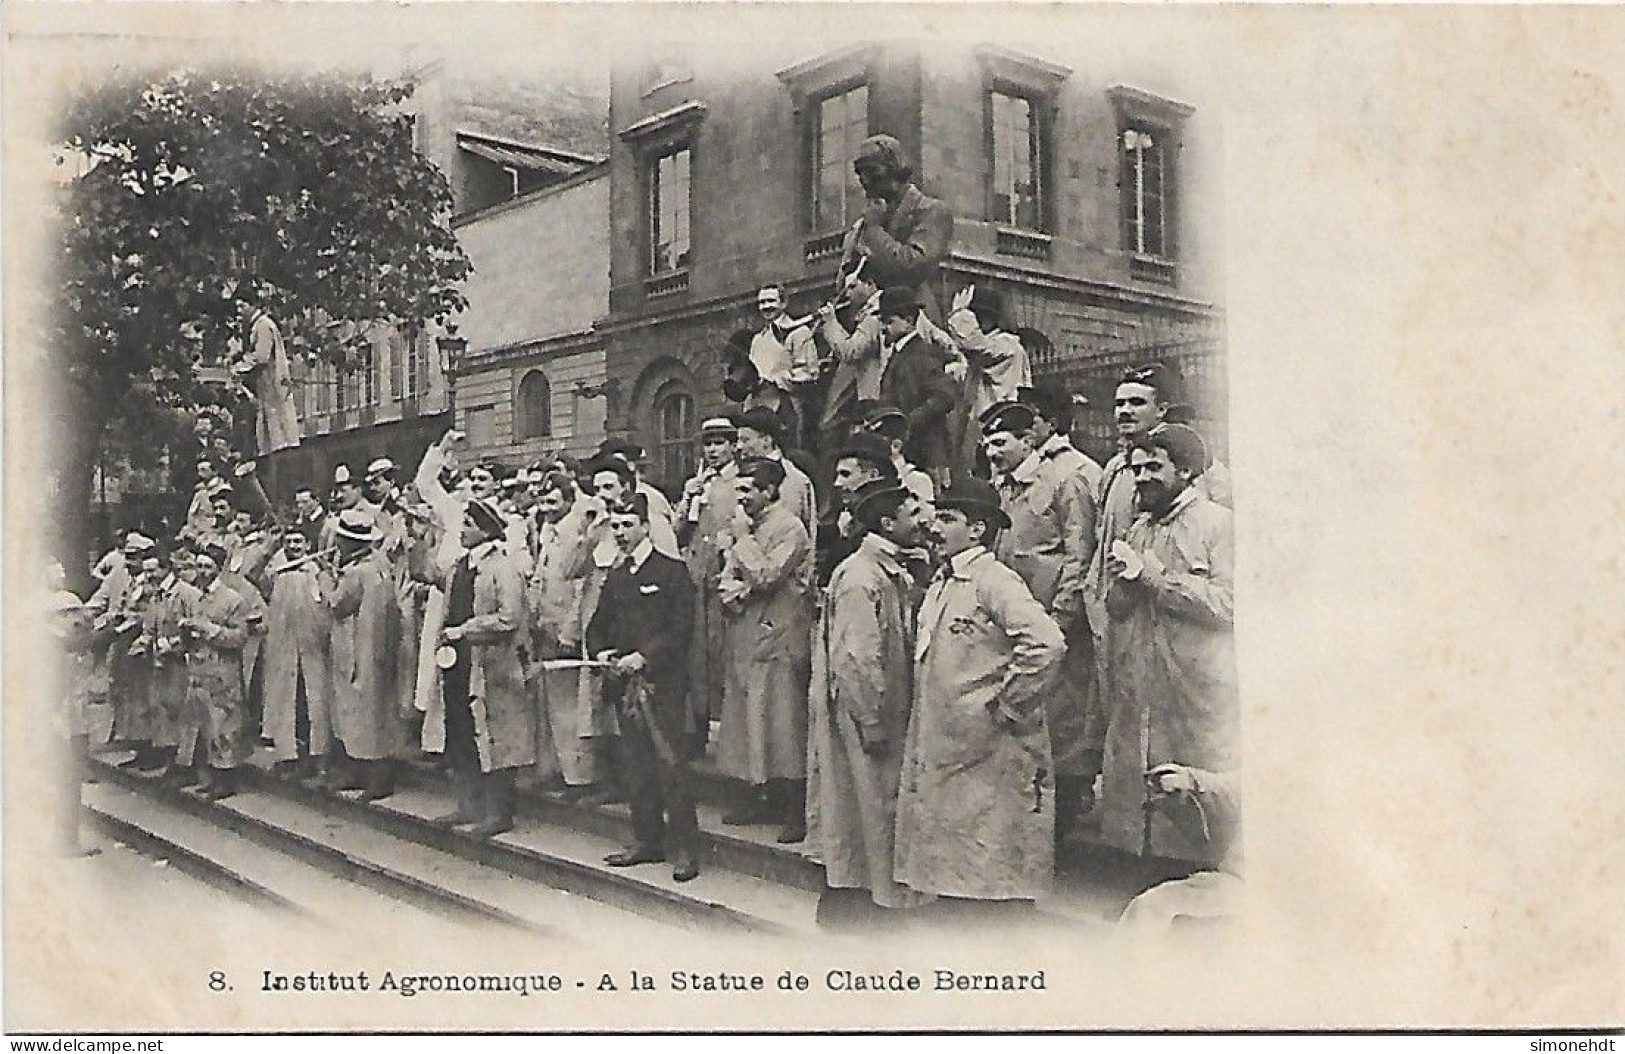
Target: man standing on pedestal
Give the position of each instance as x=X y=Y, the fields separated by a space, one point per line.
x=263 y=369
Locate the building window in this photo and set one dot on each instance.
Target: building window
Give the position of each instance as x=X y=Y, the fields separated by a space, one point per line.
x=533 y=407
x=674 y=425
x=368 y=376
x=412 y=377
x=480 y=425
x=344 y=388
x=321 y=384
x=1147 y=187
x=1017 y=135
x=840 y=123
x=1149 y=132
x=668 y=211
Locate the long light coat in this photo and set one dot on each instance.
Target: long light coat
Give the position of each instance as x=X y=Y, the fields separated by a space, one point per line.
x=863 y=673
x=763 y=732
x=276 y=426
x=1049 y=543
x=1173 y=674
x=712 y=510
x=555 y=595
x=976 y=805
x=213 y=712
x=366 y=631
x=161 y=626
x=504 y=717
x=297 y=646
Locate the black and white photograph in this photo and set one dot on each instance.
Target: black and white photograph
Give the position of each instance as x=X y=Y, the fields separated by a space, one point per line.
x=664 y=517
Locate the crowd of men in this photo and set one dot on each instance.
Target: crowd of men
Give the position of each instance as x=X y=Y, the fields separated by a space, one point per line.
x=922 y=631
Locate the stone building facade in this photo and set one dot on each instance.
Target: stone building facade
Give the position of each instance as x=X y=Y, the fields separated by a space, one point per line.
x=1083 y=195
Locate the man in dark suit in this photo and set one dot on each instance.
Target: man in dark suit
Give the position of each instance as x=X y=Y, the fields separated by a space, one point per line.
x=914 y=379
x=643 y=626
x=905 y=234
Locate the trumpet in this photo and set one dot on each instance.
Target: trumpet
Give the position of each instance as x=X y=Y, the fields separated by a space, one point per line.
x=327 y=559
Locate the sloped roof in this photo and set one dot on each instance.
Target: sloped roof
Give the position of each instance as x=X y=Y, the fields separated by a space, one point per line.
x=531 y=157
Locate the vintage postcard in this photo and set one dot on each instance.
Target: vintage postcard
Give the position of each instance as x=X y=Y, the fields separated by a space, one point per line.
x=812 y=517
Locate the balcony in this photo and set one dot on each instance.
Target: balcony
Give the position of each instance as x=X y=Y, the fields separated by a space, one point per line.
x=665 y=284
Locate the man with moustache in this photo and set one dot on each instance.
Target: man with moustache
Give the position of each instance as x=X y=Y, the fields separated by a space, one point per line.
x=565 y=755
x=709 y=501
x=765 y=590
x=761 y=437
x=863 y=459
x=859 y=706
x=367 y=713
x=782 y=350
x=1049 y=543
x=1139 y=403
x=643 y=626
x=1172 y=656
x=309 y=516
x=976 y=798
x=298 y=686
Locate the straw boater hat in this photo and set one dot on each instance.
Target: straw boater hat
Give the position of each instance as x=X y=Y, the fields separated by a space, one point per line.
x=357 y=526
x=489 y=520
x=381 y=467
x=719 y=426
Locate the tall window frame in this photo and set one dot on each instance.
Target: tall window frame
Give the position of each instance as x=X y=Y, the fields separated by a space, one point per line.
x=368 y=376
x=1018 y=157
x=533 y=406
x=1149 y=142
x=657 y=137
x=676 y=432
x=1020 y=111
x=838 y=120
x=669 y=199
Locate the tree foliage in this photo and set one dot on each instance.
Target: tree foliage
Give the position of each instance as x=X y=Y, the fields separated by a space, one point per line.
x=307 y=190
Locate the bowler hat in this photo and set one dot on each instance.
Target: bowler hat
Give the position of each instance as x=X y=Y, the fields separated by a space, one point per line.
x=974 y=497
x=761 y=419
x=898 y=301
x=867 y=446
